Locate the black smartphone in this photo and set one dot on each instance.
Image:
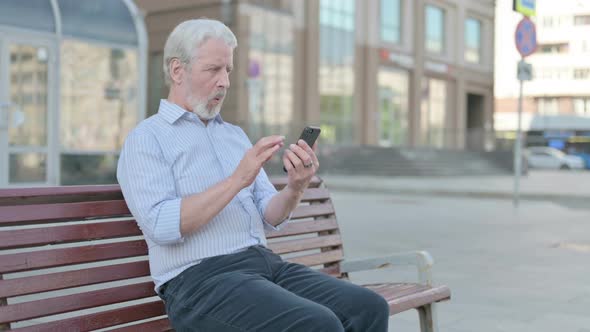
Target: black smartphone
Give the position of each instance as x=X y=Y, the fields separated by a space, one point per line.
x=309 y=134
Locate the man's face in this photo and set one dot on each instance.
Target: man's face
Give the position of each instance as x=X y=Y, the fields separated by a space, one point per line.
x=208 y=79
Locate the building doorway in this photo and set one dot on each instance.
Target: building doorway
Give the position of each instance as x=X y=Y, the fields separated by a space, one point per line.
x=475 y=126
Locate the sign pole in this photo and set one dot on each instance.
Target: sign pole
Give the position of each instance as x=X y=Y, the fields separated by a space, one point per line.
x=526 y=44
x=518 y=147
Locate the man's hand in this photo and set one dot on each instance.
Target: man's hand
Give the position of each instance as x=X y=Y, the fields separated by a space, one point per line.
x=255 y=158
x=301 y=163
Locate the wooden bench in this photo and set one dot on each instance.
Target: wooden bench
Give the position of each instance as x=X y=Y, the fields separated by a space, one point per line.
x=73 y=259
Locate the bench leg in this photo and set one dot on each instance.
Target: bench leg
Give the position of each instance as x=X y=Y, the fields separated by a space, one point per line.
x=428 y=320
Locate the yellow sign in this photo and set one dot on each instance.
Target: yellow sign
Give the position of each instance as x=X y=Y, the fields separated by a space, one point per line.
x=525 y=7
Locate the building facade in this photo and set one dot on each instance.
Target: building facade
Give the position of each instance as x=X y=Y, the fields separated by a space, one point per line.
x=410 y=73
x=556 y=103
x=72 y=85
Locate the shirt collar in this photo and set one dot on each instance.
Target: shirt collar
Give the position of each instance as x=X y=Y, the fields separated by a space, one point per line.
x=172 y=112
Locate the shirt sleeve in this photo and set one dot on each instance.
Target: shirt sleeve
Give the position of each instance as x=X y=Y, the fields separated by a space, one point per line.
x=264 y=191
x=148 y=186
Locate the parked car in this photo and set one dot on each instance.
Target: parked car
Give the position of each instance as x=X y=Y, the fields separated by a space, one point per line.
x=551 y=158
x=585 y=156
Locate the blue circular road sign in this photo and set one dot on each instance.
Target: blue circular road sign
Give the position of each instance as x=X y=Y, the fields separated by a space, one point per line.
x=526 y=37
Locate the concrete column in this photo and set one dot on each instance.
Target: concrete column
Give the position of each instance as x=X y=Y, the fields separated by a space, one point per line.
x=370 y=87
x=306 y=62
x=417 y=73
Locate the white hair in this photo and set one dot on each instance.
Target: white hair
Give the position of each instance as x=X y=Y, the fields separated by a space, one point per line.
x=184 y=40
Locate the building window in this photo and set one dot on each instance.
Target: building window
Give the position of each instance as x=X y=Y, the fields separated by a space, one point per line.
x=582 y=73
x=336 y=77
x=99 y=83
x=391 y=21
x=547 y=21
x=554 y=48
x=582 y=20
x=473 y=40
x=270 y=73
x=435 y=29
x=582 y=106
x=433 y=112
x=547 y=106
x=393 y=107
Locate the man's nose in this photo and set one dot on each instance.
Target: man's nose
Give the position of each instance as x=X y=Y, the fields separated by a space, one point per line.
x=223 y=81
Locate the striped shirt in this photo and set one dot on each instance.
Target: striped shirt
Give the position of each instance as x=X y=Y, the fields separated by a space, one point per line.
x=171 y=155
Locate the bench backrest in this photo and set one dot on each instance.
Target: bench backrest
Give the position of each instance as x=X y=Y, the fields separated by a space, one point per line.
x=67 y=249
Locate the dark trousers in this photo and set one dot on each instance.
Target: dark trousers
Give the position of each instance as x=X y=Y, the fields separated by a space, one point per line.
x=255 y=290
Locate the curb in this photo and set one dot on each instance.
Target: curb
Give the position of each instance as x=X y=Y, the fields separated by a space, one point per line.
x=451 y=193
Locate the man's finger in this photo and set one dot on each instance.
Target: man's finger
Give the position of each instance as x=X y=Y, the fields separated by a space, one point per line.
x=302 y=154
x=287 y=163
x=268 y=142
x=310 y=151
x=297 y=163
x=267 y=154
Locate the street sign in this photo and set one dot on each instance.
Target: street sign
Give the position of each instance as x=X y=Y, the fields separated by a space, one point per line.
x=525 y=71
x=525 y=7
x=526 y=37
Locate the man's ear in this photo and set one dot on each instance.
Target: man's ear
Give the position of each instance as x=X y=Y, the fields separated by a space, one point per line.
x=176 y=69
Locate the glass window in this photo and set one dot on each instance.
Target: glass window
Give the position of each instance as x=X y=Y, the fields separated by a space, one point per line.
x=270 y=73
x=433 y=112
x=582 y=20
x=547 y=106
x=105 y=20
x=435 y=29
x=582 y=106
x=30 y=14
x=554 y=48
x=28 y=95
x=336 y=77
x=79 y=169
x=98 y=83
x=582 y=73
x=391 y=21
x=393 y=107
x=28 y=167
x=472 y=40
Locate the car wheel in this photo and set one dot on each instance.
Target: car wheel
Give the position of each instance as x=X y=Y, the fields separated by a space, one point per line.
x=564 y=166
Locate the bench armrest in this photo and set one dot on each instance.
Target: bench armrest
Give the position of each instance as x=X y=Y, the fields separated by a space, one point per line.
x=421 y=259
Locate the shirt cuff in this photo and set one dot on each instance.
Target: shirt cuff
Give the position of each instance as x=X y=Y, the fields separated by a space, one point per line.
x=263 y=204
x=167 y=230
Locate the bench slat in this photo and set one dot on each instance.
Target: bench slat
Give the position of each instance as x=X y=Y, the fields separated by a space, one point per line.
x=326 y=257
x=281 y=182
x=87 y=190
x=102 y=319
x=62 y=280
x=61 y=304
x=24 y=238
x=315 y=194
x=317 y=210
x=304 y=227
x=284 y=247
x=44 y=213
x=59 y=257
x=403 y=296
x=160 y=325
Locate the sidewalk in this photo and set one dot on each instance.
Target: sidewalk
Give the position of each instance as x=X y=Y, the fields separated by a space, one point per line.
x=537 y=185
